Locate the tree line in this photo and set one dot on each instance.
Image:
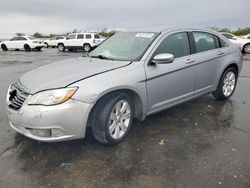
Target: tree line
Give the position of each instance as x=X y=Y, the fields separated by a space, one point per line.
x=238 y=31
x=104 y=33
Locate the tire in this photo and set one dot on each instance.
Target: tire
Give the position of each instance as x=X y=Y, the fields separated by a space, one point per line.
x=46 y=45
x=101 y=118
x=61 y=47
x=27 y=48
x=4 y=47
x=86 y=48
x=226 y=85
x=246 y=48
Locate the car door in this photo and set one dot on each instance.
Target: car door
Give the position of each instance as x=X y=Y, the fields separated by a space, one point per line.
x=12 y=43
x=207 y=60
x=80 y=40
x=88 y=39
x=169 y=84
x=20 y=43
x=71 y=40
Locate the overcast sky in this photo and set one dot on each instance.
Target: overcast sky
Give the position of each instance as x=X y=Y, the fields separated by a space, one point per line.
x=50 y=16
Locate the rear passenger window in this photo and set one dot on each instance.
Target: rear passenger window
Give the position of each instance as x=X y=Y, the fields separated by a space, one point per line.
x=205 y=41
x=21 y=38
x=97 y=36
x=176 y=44
x=80 y=36
x=88 y=36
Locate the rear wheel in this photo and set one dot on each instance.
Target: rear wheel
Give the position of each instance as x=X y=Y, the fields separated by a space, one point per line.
x=4 y=47
x=86 y=47
x=226 y=85
x=26 y=47
x=111 y=118
x=61 y=47
x=246 y=48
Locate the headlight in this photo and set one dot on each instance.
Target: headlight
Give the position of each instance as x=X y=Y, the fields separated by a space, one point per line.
x=52 y=97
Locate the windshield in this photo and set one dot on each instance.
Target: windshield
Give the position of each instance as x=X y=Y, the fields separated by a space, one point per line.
x=124 y=46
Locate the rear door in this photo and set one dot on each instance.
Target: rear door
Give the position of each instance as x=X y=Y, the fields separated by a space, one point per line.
x=208 y=58
x=169 y=84
x=80 y=40
x=21 y=41
x=88 y=39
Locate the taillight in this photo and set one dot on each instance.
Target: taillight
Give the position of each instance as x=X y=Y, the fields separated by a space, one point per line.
x=94 y=41
x=34 y=41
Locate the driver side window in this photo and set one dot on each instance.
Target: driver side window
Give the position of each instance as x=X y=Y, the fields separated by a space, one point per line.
x=176 y=44
x=14 y=39
x=71 y=37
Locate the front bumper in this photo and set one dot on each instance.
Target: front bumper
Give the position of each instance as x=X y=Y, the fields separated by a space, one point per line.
x=65 y=121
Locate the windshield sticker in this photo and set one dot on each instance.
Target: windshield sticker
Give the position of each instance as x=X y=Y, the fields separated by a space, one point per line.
x=144 y=35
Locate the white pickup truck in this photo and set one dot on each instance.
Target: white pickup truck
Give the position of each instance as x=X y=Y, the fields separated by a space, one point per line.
x=82 y=41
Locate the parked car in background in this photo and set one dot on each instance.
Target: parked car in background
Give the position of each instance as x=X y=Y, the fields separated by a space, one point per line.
x=247 y=36
x=80 y=41
x=130 y=75
x=243 y=42
x=53 y=42
x=27 y=43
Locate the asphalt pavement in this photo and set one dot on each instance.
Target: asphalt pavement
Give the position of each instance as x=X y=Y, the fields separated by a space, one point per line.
x=203 y=143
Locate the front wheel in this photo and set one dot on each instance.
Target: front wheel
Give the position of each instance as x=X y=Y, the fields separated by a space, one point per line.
x=61 y=47
x=112 y=118
x=226 y=85
x=46 y=45
x=4 y=47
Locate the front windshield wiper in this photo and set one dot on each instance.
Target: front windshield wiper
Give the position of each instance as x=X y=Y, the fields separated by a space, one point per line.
x=101 y=57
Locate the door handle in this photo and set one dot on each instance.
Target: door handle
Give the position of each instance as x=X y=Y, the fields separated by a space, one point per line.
x=220 y=53
x=189 y=61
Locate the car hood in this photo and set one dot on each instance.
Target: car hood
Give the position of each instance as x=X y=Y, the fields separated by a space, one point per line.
x=64 y=73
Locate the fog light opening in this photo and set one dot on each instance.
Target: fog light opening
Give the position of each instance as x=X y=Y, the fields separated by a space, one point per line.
x=57 y=132
x=41 y=132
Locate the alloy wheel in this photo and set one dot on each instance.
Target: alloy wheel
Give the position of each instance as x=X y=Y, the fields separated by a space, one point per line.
x=119 y=120
x=229 y=83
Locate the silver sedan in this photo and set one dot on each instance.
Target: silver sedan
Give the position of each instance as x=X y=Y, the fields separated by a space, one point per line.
x=130 y=75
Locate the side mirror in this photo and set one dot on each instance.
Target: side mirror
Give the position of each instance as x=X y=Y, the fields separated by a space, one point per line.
x=234 y=38
x=163 y=58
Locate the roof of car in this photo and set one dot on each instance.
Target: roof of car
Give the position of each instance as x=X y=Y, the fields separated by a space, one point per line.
x=170 y=29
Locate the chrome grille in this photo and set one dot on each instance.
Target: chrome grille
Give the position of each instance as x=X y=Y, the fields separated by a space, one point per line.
x=17 y=96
